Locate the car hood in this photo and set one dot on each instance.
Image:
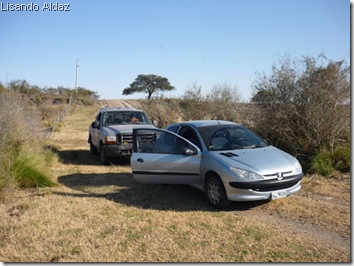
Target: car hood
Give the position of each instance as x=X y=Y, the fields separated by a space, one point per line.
x=264 y=161
x=128 y=128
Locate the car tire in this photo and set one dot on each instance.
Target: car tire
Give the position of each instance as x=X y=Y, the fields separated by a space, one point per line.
x=103 y=156
x=216 y=193
x=93 y=149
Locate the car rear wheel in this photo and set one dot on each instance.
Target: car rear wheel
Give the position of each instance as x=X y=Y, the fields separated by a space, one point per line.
x=216 y=193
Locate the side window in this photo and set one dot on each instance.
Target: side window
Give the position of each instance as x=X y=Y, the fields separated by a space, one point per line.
x=98 y=119
x=161 y=142
x=108 y=118
x=189 y=133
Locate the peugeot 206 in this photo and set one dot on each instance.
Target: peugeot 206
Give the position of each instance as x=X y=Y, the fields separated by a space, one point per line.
x=224 y=159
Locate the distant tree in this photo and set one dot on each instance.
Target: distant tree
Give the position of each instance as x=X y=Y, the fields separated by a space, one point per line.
x=149 y=84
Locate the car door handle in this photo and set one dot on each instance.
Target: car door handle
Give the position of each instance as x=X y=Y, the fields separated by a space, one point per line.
x=140 y=160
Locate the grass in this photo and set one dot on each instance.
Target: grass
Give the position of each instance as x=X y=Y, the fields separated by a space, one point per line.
x=100 y=214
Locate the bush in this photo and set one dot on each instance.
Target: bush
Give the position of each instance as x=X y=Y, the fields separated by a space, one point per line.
x=305 y=107
x=221 y=103
x=322 y=164
x=341 y=159
x=29 y=170
x=325 y=162
x=24 y=160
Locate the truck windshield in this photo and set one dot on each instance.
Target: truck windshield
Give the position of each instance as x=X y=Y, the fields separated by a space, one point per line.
x=126 y=117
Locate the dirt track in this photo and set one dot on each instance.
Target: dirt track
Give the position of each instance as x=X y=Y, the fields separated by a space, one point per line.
x=116 y=103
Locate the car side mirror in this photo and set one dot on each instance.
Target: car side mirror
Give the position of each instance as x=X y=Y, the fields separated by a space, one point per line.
x=155 y=123
x=188 y=151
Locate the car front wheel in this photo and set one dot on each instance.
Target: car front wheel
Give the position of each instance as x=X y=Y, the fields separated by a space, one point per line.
x=216 y=193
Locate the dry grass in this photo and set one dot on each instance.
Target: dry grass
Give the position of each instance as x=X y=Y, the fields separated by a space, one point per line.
x=100 y=214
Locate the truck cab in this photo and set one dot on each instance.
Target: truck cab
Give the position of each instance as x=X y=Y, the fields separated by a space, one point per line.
x=111 y=133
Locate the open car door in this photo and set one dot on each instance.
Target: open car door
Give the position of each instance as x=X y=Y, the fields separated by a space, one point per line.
x=163 y=157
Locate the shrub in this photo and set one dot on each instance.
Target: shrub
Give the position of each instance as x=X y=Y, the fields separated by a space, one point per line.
x=24 y=161
x=29 y=170
x=305 y=107
x=341 y=158
x=325 y=162
x=322 y=164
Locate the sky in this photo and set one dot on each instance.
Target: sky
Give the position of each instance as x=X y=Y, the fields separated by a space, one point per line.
x=190 y=42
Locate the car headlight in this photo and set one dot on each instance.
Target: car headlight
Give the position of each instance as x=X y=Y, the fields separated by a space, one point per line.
x=110 y=140
x=244 y=174
x=298 y=168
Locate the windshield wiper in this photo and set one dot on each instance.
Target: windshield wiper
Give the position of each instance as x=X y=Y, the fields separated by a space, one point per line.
x=249 y=147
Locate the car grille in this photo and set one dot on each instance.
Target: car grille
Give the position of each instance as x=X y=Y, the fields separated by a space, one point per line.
x=277 y=187
x=270 y=184
x=281 y=174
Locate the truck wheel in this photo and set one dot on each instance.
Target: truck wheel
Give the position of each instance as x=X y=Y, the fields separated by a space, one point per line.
x=93 y=149
x=103 y=156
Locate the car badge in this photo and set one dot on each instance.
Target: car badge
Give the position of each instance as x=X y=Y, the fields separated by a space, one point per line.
x=280 y=176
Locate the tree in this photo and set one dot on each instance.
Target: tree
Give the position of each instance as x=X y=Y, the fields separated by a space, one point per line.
x=305 y=107
x=149 y=84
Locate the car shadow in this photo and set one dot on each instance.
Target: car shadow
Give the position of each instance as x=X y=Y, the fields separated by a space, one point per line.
x=123 y=189
x=84 y=157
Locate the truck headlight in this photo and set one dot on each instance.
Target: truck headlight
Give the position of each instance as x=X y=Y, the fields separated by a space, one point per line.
x=110 y=140
x=246 y=175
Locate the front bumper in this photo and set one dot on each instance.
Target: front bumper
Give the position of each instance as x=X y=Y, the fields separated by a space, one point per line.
x=262 y=190
x=118 y=150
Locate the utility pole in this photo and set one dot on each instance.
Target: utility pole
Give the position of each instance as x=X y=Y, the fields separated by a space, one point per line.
x=77 y=78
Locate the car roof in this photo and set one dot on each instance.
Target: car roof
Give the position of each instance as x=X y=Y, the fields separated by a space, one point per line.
x=117 y=109
x=203 y=123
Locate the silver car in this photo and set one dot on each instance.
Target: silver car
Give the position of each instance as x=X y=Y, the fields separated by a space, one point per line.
x=224 y=159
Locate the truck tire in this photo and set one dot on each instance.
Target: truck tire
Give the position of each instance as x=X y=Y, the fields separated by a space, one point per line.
x=93 y=149
x=103 y=156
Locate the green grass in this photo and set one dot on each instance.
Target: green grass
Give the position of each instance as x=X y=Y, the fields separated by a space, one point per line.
x=30 y=170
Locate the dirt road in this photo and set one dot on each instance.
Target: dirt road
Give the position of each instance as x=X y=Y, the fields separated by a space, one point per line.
x=117 y=103
x=100 y=214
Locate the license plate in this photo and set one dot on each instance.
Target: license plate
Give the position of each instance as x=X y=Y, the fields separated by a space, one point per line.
x=280 y=194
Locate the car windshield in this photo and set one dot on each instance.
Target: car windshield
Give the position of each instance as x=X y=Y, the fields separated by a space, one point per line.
x=125 y=117
x=230 y=137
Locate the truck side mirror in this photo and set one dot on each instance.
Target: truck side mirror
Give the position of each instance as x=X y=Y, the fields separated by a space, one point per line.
x=155 y=123
x=95 y=124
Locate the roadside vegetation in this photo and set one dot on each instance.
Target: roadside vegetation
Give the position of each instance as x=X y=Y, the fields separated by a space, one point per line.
x=27 y=115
